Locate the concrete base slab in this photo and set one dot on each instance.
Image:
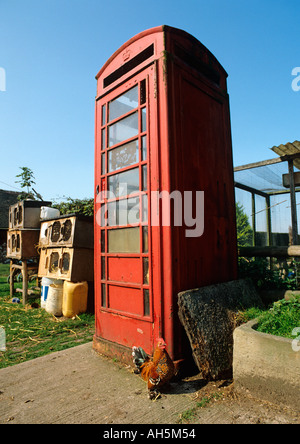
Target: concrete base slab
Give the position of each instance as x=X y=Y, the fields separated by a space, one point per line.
x=77 y=386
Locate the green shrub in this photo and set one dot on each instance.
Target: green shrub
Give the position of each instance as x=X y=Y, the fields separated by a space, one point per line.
x=280 y=320
x=264 y=278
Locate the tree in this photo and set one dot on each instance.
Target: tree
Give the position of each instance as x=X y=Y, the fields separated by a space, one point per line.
x=244 y=230
x=77 y=206
x=26 y=181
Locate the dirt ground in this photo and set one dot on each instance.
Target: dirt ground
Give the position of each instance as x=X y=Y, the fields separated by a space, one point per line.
x=78 y=386
x=225 y=406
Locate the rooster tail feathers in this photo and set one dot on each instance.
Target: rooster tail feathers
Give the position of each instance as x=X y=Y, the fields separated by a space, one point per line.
x=177 y=365
x=139 y=356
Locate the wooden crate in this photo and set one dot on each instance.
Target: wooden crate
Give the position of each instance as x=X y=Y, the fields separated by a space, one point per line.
x=26 y=214
x=67 y=231
x=22 y=244
x=70 y=264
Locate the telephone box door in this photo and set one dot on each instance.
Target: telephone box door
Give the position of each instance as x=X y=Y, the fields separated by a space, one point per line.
x=123 y=257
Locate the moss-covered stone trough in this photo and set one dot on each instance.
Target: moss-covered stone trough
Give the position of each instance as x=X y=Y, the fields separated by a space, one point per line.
x=208 y=315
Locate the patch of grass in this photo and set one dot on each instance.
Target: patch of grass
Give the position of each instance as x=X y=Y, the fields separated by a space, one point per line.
x=4 y=272
x=4 y=286
x=32 y=332
x=4 y=269
x=279 y=320
x=189 y=415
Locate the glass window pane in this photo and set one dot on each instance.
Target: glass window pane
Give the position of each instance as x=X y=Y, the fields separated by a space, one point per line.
x=103 y=241
x=103 y=114
x=146 y=303
x=145 y=239
x=145 y=208
x=144 y=177
x=144 y=148
x=132 y=210
x=144 y=120
x=123 y=104
x=103 y=295
x=146 y=270
x=123 y=212
x=103 y=214
x=103 y=164
x=123 y=184
x=103 y=144
x=103 y=268
x=124 y=240
x=143 y=92
x=123 y=156
x=123 y=129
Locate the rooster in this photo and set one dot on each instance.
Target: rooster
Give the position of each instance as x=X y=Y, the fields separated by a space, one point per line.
x=156 y=371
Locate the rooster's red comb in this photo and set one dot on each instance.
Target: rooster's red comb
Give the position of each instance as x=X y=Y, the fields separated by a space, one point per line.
x=161 y=340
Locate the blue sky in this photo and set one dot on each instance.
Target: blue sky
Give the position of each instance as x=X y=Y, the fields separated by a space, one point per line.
x=51 y=51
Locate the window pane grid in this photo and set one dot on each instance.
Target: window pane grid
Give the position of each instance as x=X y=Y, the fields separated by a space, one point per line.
x=124 y=141
x=123 y=129
x=123 y=104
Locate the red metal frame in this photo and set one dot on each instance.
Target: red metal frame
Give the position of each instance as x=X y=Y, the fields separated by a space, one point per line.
x=133 y=309
x=185 y=86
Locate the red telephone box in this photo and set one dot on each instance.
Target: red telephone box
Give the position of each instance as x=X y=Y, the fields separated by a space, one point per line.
x=162 y=130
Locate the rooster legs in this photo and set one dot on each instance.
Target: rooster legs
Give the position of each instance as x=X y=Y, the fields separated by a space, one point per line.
x=154 y=395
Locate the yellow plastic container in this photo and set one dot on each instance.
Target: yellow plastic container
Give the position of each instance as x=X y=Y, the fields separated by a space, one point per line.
x=75 y=297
